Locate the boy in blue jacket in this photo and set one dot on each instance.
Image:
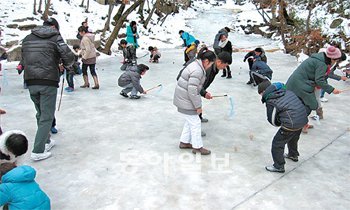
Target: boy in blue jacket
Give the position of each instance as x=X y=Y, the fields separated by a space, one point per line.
x=19 y=190
x=285 y=110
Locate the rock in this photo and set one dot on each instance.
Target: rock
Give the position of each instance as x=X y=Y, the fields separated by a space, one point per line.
x=11 y=43
x=15 y=54
x=12 y=25
x=27 y=27
x=336 y=23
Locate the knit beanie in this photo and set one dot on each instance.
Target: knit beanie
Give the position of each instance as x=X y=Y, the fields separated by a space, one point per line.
x=333 y=52
x=263 y=85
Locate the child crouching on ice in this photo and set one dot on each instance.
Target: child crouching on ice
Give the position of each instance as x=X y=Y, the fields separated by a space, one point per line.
x=19 y=190
x=130 y=81
x=155 y=54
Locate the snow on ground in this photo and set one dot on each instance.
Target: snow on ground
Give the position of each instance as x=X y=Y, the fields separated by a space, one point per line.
x=117 y=153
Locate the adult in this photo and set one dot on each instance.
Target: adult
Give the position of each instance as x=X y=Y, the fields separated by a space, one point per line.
x=218 y=36
x=223 y=60
x=312 y=73
x=132 y=35
x=88 y=53
x=42 y=52
x=188 y=40
x=252 y=56
x=188 y=101
x=226 y=46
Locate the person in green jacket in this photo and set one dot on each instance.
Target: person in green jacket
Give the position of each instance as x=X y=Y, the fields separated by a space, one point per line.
x=312 y=73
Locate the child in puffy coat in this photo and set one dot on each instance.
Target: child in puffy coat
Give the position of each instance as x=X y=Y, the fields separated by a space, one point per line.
x=19 y=190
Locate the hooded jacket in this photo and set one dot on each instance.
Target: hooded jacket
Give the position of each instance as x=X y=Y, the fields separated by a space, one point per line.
x=20 y=191
x=133 y=75
x=262 y=68
x=283 y=107
x=5 y=155
x=42 y=51
x=187 y=96
x=309 y=74
x=88 y=50
x=252 y=54
x=217 y=38
x=187 y=38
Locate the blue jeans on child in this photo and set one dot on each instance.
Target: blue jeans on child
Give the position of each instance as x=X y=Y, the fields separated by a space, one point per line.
x=70 y=77
x=128 y=88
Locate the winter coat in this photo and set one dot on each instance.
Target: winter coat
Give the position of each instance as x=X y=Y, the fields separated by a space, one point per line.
x=309 y=74
x=88 y=50
x=218 y=36
x=252 y=54
x=130 y=38
x=42 y=51
x=20 y=191
x=129 y=54
x=187 y=96
x=227 y=48
x=5 y=155
x=210 y=76
x=187 y=38
x=284 y=108
x=131 y=76
x=262 y=68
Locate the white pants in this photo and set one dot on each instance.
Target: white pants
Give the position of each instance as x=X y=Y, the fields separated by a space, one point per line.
x=191 y=132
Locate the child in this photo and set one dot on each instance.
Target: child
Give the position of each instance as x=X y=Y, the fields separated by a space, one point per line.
x=129 y=53
x=191 y=52
x=155 y=54
x=75 y=69
x=258 y=52
x=226 y=46
x=13 y=144
x=284 y=109
x=19 y=190
x=260 y=71
x=130 y=81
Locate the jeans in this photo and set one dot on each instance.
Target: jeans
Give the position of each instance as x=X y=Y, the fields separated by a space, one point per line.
x=128 y=88
x=191 y=132
x=70 y=77
x=282 y=138
x=44 y=99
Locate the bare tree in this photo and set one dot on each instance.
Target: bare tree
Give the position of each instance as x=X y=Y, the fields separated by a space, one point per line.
x=34 y=8
x=40 y=3
x=46 y=12
x=87 y=6
x=82 y=3
x=140 y=12
x=150 y=16
x=110 y=10
x=118 y=25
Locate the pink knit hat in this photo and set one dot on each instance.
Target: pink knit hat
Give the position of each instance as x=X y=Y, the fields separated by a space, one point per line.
x=333 y=52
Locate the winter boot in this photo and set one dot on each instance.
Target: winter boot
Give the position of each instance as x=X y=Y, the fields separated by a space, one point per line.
x=223 y=73
x=97 y=86
x=229 y=76
x=319 y=112
x=86 y=82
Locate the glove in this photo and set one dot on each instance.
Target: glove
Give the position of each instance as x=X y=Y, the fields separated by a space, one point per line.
x=244 y=60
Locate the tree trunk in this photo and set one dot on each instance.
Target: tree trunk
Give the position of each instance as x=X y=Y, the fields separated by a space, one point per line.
x=118 y=25
x=40 y=3
x=140 y=12
x=311 y=6
x=82 y=3
x=119 y=13
x=108 y=21
x=46 y=12
x=34 y=8
x=149 y=16
x=87 y=6
x=282 y=21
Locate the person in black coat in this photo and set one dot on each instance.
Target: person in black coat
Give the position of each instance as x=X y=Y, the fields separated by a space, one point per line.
x=226 y=46
x=223 y=60
x=284 y=109
x=258 y=52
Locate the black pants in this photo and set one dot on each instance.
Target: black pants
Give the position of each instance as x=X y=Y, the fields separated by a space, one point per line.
x=282 y=138
x=250 y=63
x=92 y=69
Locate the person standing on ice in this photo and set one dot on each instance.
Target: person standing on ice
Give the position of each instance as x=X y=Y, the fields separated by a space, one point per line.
x=285 y=110
x=222 y=61
x=42 y=52
x=310 y=74
x=188 y=100
x=226 y=46
x=188 y=40
x=218 y=37
x=132 y=35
